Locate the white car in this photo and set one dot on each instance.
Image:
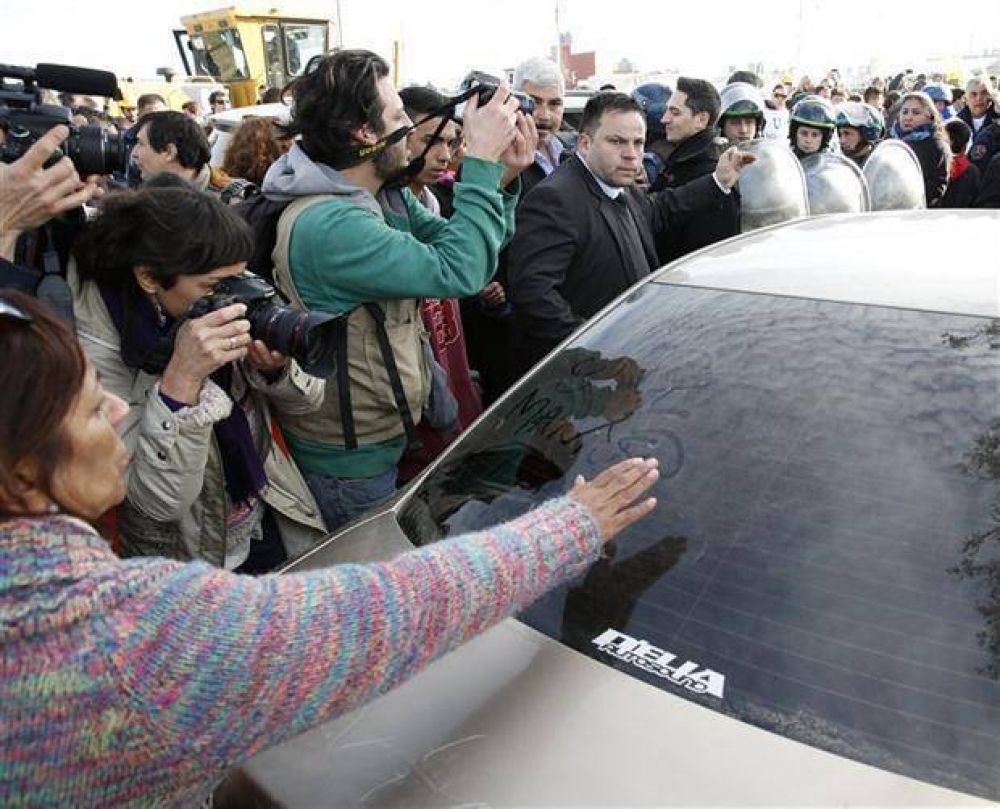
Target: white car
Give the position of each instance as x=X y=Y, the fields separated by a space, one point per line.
x=810 y=617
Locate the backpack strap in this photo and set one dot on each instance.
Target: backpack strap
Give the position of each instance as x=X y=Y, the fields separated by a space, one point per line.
x=344 y=385
x=389 y=358
x=281 y=255
x=283 y=280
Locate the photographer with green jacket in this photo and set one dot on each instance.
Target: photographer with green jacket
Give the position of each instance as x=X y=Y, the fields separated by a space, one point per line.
x=352 y=237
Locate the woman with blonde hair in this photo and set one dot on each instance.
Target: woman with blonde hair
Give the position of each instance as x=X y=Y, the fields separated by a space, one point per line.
x=920 y=127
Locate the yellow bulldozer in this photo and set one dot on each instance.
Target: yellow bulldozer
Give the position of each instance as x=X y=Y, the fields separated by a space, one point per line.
x=250 y=49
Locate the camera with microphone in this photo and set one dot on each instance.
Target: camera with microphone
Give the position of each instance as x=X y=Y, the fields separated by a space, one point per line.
x=25 y=117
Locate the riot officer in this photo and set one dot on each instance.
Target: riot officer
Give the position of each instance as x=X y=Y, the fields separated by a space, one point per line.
x=812 y=126
x=653 y=98
x=742 y=116
x=859 y=127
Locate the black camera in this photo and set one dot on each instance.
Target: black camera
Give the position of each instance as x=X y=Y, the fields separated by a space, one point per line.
x=25 y=118
x=486 y=85
x=306 y=337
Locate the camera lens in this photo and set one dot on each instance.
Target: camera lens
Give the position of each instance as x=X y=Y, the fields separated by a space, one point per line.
x=94 y=150
x=306 y=337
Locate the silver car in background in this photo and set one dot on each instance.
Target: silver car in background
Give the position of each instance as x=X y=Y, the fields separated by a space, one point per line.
x=811 y=616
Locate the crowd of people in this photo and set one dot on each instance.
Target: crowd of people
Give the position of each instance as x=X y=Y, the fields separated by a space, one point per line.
x=157 y=455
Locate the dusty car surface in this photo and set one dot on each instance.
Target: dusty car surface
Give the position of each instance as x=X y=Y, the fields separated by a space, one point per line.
x=812 y=614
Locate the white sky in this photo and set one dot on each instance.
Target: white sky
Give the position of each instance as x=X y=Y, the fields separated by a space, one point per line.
x=441 y=40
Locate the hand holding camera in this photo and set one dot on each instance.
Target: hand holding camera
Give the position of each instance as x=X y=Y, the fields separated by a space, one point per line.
x=31 y=194
x=202 y=346
x=521 y=152
x=490 y=129
x=263 y=359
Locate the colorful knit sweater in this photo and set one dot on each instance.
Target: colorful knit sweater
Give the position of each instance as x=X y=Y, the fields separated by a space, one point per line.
x=142 y=681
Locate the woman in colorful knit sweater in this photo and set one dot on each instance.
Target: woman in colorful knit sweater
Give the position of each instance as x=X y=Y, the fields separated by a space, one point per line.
x=142 y=681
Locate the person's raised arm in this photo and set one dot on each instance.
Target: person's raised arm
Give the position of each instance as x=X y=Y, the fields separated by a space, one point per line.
x=262 y=659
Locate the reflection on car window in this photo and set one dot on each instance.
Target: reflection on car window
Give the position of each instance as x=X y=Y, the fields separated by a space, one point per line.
x=820 y=562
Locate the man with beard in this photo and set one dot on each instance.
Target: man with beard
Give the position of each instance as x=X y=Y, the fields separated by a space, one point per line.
x=353 y=241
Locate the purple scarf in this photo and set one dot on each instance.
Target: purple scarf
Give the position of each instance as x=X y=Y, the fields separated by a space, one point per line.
x=143 y=342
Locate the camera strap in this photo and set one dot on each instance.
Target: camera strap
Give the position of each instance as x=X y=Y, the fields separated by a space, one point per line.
x=52 y=287
x=356 y=155
x=416 y=165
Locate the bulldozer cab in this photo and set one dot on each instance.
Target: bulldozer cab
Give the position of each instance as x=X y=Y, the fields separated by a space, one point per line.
x=250 y=50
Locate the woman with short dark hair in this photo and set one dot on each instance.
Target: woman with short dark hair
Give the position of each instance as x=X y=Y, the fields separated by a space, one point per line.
x=210 y=477
x=140 y=682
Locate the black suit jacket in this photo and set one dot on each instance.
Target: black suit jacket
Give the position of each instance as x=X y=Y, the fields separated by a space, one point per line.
x=682 y=163
x=568 y=260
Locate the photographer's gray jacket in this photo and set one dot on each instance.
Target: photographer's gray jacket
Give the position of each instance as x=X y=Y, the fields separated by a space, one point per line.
x=176 y=502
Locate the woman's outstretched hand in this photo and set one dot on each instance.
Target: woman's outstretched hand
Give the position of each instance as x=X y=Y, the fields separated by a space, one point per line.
x=611 y=496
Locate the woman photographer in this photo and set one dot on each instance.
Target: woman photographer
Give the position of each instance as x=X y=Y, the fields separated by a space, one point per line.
x=210 y=478
x=140 y=682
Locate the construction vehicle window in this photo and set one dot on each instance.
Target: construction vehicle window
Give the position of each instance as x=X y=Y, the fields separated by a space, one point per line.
x=222 y=54
x=273 y=62
x=302 y=42
x=203 y=64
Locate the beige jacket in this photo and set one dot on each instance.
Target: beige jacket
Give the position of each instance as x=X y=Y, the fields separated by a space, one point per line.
x=376 y=416
x=176 y=501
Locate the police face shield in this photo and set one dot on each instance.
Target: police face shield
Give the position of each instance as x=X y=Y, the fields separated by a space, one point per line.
x=772 y=188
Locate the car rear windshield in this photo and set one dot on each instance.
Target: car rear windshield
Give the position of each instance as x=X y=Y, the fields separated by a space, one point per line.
x=825 y=559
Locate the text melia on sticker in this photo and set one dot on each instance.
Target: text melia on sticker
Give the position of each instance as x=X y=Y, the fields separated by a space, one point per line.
x=644 y=655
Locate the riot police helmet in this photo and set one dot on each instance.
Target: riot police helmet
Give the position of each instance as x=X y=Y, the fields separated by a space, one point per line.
x=653 y=98
x=863 y=117
x=814 y=111
x=740 y=100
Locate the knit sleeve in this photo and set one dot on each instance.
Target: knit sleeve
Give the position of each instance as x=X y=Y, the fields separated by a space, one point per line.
x=226 y=666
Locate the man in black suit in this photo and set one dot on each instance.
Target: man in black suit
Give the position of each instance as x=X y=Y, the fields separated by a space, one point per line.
x=689 y=151
x=588 y=233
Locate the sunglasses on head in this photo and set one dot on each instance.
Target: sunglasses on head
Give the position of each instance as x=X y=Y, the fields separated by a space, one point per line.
x=12 y=312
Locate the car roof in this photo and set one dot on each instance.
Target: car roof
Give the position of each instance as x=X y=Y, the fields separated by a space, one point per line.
x=943 y=261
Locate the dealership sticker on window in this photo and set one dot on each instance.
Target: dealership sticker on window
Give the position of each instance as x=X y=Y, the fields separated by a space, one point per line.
x=644 y=655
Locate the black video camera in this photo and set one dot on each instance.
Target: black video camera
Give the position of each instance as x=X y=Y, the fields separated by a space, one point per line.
x=306 y=337
x=25 y=117
x=486 y=85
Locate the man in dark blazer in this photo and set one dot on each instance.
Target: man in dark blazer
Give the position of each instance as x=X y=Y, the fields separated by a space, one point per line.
x=588 y=233
x=690 y=150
